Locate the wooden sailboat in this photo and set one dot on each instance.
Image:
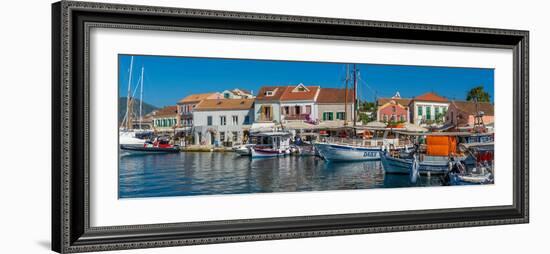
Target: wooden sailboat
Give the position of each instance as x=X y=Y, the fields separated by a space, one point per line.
x=127 y=134
x=355 y=149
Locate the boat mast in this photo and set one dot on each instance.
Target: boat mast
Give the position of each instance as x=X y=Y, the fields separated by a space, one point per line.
x=141 y=98
x=346 y=97
x=128 y=98
x=354 y=94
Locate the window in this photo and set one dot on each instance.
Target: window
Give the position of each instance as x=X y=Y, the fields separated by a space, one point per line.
x=402 y=118
x=235 y=136
x=222 y=136
x=297 y=110
x=385 y=118
x=393 y=109
x=223 y=121
x=235 y=120
x=340 y=115
x=286 y=110
x=328 y=116
x=428 y=113
x=209 y=120
x=246 y=119
x=269 y=93
x=419 y=110
x=266 y=113
x=226 y=95
x=308 y=109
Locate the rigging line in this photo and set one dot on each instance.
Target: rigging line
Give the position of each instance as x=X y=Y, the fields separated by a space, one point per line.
x=135 y=89
x=368 y=86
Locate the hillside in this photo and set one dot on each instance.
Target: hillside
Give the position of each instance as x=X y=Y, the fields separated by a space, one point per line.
x=147 y=108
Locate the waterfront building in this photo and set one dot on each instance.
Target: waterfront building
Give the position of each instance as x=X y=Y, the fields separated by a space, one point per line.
x=145 y=123
x=463 y=113
x=188 y=104
x=267 y=104
x=237 y=94
x=394 y=109
x=428 y=109
x=222 y=121
x=165 y=119
x=298 y=103
x=286 y=103
x=332 y=104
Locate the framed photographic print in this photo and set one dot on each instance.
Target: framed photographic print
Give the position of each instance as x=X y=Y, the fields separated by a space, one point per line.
x=181 y=126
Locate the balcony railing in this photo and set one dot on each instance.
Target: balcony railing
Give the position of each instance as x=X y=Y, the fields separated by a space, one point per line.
x=264 y=118
x=297 y=117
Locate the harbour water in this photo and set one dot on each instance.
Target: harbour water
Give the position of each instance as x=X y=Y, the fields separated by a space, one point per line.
x=203 y=173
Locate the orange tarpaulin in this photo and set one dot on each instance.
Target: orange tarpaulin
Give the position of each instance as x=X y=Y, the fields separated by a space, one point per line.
x=440 y=145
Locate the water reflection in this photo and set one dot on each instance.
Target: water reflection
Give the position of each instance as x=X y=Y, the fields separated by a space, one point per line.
x=184 y=174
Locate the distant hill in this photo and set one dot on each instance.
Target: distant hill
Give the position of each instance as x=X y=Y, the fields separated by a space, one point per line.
x=147 y=108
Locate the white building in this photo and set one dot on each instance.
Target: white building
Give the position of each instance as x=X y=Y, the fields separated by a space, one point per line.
x=286 y=103
x=222 y=121
x=428 y=108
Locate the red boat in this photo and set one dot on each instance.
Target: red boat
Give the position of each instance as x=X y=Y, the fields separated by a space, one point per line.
x=156 y=146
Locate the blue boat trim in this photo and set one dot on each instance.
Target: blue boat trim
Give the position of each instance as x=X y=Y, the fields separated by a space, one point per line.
x=354 y=148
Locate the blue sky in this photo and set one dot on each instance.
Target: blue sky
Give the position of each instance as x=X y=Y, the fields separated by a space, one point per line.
x=168 y=79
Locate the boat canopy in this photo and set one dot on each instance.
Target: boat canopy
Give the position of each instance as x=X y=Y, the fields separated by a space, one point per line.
x=262 y=127
x=479 y=145
x=299 y=125
x=375 y=124
x=456 y=134
x=271 y=134
x=440 y=145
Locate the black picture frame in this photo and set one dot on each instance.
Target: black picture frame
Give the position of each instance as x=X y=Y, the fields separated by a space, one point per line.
x=71 y=22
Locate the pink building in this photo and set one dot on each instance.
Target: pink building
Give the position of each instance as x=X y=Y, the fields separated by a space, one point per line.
x=188 y=104
x=394 y=109
x=393 y=112
x=462 y=113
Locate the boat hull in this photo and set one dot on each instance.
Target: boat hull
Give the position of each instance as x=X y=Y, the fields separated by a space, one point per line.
x=243 y=150
x=402 y=166
x=262 y=152
x=148 y=150
x=333 y=152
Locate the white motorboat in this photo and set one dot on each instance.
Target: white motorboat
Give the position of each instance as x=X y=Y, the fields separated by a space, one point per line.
x=271 y=144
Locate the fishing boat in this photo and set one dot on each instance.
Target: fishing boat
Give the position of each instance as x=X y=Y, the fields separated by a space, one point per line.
x=357 y=143
x=159 y=145
x=426 y=164
x=271 y=144
x=480 y=171
x=436 y=157
x=361 y=149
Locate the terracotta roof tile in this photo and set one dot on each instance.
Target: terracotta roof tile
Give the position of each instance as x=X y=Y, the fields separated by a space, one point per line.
x=334 y=95
x=470 y=107
x=225 y=104
x=277 y=92
x=193 y=98
x=290 y=94
x=431 y=96
x=402 y=101
x=166 y=111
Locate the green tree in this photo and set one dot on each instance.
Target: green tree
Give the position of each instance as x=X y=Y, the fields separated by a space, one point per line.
x=479 y=93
